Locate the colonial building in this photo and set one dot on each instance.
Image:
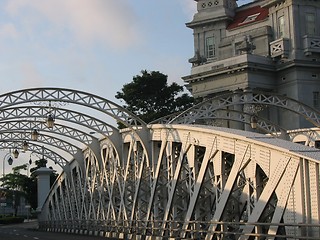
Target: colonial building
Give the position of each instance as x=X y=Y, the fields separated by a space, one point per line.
x=268 y=45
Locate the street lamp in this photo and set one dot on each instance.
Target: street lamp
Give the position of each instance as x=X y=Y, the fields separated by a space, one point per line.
x=50 y=121
x=15 y=153
x=50 y=118
x=29 y=165
x=25 y=146
x=10 y=161
x=34 y=134
x=254 y=121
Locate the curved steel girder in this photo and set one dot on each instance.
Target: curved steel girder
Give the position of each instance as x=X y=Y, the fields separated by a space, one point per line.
x=61 y=130
x=60 y=114
x=59 y=143
x=39 y=149
x=71 y=96
x=237 y=116
x=20 y=127
x=187 y=182
x=120 y=114
x=205 y=109
x=112 y=133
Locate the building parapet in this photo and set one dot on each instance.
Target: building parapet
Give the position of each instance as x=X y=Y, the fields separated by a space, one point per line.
x=311 y=44
x=236 y=61
x=280 y=48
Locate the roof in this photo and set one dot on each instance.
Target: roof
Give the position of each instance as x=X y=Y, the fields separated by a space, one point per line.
x=248 y=16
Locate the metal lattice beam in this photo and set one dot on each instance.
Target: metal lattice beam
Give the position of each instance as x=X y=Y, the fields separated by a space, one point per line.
x=206 y=109
x=71 y=96
x=199 y=182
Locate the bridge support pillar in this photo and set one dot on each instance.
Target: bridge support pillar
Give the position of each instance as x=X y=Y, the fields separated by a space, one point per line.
x=43 y=180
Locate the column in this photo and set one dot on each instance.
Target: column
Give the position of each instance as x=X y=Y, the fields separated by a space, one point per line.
x=43 y=180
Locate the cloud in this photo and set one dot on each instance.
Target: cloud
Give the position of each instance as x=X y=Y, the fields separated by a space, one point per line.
x=189 y=7
x=32 y=78
x=8 y=30
x=89 y=21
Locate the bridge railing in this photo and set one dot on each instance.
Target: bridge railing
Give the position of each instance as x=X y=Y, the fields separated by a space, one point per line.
x=128 y=229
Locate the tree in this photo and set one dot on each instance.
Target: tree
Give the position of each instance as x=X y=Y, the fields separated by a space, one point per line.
x=150 y=97
x=17 y=185
x=42 y=162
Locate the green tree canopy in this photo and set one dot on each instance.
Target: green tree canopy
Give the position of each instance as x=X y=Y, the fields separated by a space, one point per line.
x=150 y=97
x=19 y=185
x=22 y=185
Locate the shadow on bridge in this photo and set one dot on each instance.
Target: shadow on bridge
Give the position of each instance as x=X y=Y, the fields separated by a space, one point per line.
x=177 y=181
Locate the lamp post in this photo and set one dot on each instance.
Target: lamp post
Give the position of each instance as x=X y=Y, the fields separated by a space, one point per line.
x=29 y=165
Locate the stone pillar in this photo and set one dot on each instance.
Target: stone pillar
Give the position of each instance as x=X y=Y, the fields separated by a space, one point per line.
x=249 y=108
x=43 y=180
x=239 y=109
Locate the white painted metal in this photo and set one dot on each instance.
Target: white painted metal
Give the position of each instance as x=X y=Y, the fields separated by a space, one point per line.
x=174 y=181
x=197 y=182
x=237 y=105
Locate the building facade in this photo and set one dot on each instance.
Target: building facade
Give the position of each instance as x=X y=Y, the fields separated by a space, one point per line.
x=267 y=45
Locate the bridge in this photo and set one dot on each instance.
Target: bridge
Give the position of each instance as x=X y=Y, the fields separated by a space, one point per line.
x=219 y=170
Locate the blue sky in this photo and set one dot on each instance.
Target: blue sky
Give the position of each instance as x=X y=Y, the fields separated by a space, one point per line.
x=92 y=45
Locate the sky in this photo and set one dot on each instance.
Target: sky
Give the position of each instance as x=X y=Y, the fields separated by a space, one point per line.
x=93 y=45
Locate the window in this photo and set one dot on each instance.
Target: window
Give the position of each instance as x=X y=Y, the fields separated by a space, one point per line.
x=310 y=24
x=316 y=99
x=210 y=47
x=251 y=18
x=281 y=27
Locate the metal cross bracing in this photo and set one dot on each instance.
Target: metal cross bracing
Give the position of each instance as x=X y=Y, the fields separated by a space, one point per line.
x=218 y=117
x=70 y=96
x=62 y=130
x=15 y=105
x=17 y=115
x=67 y=148
x=248 y=101
x=60 y=114
x=21 y=130
x=171 y=181
x=197 y=182
x=38 y=150
x=308 y=136
x=81 y=127
x=57 y=143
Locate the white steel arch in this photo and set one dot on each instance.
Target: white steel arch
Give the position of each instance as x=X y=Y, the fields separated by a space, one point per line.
x=249 y=100
x=15 y=106
x=197 y=182
x=14 y=117
x=70 y=96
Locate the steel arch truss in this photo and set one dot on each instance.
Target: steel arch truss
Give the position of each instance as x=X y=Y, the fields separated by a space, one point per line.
x=26 y=125
x=250 y=101
x=195 y=183
x=19 y=108
x=60 y=114
x=70 y=96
